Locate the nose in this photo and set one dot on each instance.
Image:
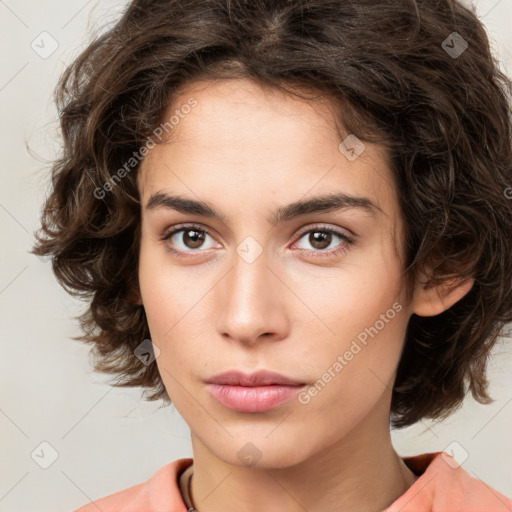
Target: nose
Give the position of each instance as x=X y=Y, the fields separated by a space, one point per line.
x=251 y=301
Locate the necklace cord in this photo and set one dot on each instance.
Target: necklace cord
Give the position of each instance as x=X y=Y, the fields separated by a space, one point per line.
x=188 y=495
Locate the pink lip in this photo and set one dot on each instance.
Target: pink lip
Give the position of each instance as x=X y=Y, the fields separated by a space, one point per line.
x=259 y=378
x=253 y=398
x=257 y=392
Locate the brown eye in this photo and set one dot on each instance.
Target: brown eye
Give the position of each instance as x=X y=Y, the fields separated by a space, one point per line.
x=192 y=238
x=188 y=240
x=323 y=241
x=320 y=239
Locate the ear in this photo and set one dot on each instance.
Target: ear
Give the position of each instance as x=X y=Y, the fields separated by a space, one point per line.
x=432 y=300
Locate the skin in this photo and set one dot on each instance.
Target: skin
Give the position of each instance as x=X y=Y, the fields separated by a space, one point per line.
x=246 y=151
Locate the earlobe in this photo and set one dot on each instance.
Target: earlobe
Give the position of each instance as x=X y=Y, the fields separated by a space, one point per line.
x=433 y=300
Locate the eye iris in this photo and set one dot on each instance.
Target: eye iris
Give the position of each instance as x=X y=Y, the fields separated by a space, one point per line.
x=193 y=241
x=320 y=236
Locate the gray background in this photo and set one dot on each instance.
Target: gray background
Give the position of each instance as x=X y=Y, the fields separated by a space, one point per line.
x=108 y=439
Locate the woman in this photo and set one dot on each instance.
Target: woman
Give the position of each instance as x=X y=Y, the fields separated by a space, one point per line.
x=292 y=220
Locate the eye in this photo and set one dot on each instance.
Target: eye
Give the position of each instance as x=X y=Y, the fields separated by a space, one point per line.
x=187 y=239
x=323 y=240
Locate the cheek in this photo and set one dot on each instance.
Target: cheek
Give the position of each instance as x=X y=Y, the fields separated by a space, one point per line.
x=169 y=301
x=366 y=357
x=355 y=376
x=161 y=289
x=344 y=300
x=156 y=298
x=362 y=327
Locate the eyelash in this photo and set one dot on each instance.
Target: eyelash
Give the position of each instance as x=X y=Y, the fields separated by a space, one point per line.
x=348 y=241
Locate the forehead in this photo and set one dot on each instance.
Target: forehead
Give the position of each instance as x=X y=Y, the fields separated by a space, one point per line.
x=239 y=106
x=239 y=134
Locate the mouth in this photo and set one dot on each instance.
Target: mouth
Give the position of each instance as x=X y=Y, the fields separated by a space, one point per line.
x=257 y=392
x=259 y=378
x=253 y=398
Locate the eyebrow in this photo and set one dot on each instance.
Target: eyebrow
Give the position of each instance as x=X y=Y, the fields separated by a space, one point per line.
x=324 y=203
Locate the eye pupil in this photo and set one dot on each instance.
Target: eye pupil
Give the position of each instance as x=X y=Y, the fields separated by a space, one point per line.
x=320 y=236
x=195 y=240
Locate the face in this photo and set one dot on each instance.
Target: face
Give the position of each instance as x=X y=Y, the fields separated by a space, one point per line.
x=246 y=282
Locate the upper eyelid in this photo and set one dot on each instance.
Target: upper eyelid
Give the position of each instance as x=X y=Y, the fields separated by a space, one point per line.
x=180 y=227
x=322 y=227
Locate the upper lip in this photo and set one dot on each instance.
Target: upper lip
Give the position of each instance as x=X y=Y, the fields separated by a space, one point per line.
x=259 y=378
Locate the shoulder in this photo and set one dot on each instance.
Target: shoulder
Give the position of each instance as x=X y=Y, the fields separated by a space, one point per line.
x=158 y=494
x=445 y=486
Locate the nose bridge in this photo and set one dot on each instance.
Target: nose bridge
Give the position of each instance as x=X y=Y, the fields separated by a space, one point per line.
x=249 y=277
x=248 y=305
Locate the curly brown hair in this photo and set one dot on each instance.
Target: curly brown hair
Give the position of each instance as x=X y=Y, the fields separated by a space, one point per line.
x=417 y=76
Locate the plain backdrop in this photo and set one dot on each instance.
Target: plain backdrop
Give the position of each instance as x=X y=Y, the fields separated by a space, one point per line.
x=98 y=439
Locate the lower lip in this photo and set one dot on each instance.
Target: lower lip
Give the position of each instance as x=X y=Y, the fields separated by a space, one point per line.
x=253 y=399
